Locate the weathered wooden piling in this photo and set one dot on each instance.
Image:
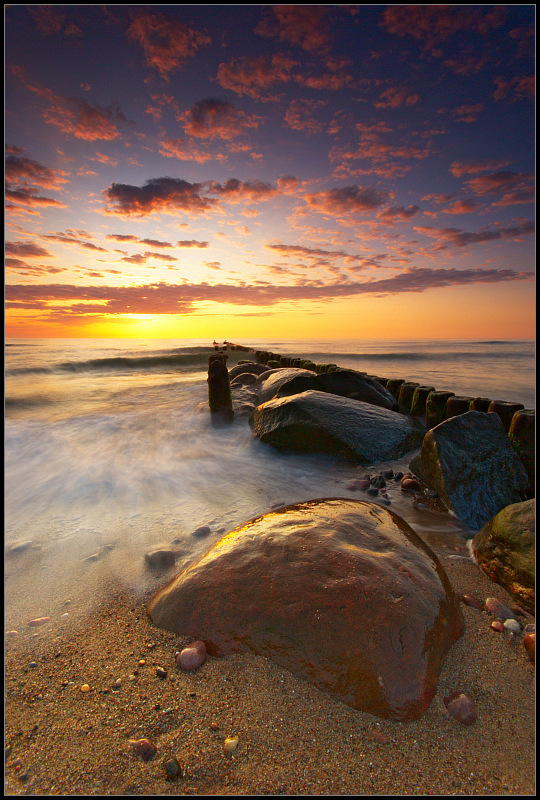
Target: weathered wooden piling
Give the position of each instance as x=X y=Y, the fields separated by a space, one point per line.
x=522 y=439
x=457 y=404
x=505 y=410
x=480 y=404
x=219 y=389
x=405 y=396
x=419 y=400
x=436 y=407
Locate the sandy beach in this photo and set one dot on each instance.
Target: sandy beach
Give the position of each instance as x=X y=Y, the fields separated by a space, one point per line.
x=293 y=739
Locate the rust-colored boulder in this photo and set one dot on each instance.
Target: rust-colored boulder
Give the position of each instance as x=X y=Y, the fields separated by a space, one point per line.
x=340 y=592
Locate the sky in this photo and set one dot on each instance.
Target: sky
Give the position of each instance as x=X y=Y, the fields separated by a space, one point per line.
x=256 y=171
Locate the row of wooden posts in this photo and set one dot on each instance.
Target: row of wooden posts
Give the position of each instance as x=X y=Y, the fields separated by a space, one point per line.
x=426 y=401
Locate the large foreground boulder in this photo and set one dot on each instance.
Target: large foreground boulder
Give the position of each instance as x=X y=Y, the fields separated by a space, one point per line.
x=340 y=592
x=325 y=423
x=505 y=549
x=469 y=461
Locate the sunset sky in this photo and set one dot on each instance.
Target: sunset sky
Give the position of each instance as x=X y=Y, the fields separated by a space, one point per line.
x=255 y=171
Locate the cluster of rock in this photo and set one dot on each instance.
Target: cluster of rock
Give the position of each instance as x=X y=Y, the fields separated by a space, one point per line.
x=343 y=592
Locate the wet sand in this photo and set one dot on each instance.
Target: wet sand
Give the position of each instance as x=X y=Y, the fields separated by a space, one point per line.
x=293 y=739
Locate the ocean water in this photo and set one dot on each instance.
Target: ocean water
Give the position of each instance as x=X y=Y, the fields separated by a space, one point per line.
x=110 y=451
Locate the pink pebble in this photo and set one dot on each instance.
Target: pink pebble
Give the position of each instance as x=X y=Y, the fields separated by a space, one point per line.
x=469 y=600
x=461 y=707
x=497 y=625
x=191 y=657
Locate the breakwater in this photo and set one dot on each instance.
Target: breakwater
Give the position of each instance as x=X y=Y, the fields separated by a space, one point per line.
x=424 y=401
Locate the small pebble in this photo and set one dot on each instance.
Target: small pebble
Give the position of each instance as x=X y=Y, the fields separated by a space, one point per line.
x=142 y=662
x=144 y=748
x=512 y=625
x=410 y=485
x=214 y=726
x=469 y=600
x=173 y=769
x=37 y=623
x=529 y=628
x=398 y=476
x=497 y=625
x=373 y=491
x=202 y=530
x=85 y=687
x=461 y=707
x=388 y=473
x=528 y=644
x=191 y=657
x=32 y=665
x=10 y=634
x=117 y=684
x=161 y=672
x=230 y=744
x=378 y=736
x=498 y=609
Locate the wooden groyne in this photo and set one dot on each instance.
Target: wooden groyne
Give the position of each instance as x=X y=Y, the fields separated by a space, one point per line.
x=426 y=401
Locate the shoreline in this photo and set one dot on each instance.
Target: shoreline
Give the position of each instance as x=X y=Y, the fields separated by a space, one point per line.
x=293 y=738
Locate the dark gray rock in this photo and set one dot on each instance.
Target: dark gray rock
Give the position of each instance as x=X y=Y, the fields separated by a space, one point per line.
x=269 y=383
x=249 y=367
x=470 y=463
x=326 y=423
x=353 y=384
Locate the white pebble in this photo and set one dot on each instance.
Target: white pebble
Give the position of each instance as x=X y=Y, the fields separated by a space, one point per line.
x=512 y=625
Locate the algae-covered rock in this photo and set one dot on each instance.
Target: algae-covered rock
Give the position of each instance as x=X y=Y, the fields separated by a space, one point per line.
x=505 y=549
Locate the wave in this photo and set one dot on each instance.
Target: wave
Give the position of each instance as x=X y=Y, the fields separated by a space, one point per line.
x=198 y=357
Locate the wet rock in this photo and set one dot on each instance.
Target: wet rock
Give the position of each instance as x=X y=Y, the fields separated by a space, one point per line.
x=350 y=383
x=160 y=558
x=143 y=748
x=497 y=625
x=202 y=530
x=248 y=367
x=461 y=707
x=271 y=381
x=38 y=622
x=505 y=550
x=230 y=744
x=410 y=485
x=173 y=769
x=470 y=463
x=472 y=601
x=512 y=626
x=498 y=608
x=528 y=644
x=192 y=657
x=325 y=423
x=297 y=585
x=20 y=547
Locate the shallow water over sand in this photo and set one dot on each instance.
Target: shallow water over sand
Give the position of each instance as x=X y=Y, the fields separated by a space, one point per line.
x=110 y=451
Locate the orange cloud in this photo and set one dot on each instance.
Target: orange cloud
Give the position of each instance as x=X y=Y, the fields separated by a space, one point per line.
x=454 y=237
x=394 y=97
x=433 y=25
x=164 y=298
x=75 y=116
x=167 y=42
x=158 y=195
x=254 y=76
x=187 y=151
x=299 y=115
x=304 y=26
x=213 y=118
x=347 y=200
x=521 y=87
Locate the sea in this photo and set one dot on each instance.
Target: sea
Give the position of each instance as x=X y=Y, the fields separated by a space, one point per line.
x=110 y=451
